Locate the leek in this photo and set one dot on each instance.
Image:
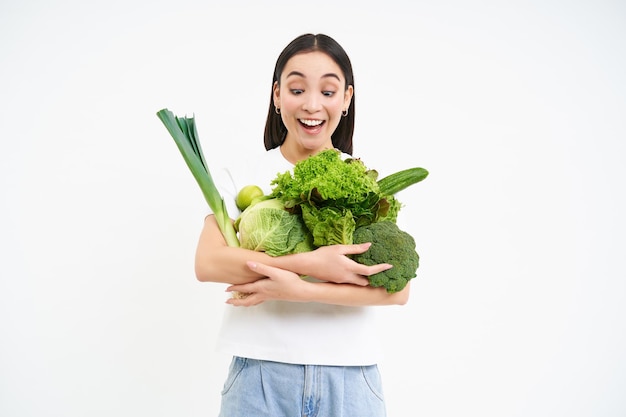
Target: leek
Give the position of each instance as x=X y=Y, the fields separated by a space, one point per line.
x=183 y=130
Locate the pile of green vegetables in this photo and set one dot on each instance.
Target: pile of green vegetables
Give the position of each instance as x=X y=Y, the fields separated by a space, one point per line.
x=326 y=200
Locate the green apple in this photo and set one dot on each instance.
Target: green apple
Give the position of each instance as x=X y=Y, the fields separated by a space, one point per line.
x=246 y=195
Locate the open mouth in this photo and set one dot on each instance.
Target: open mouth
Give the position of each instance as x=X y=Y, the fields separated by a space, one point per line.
x=310 y=124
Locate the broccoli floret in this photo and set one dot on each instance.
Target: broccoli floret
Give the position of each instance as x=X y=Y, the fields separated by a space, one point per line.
x=389 y=245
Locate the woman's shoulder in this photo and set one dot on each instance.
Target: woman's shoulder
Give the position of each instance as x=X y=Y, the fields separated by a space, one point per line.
x=259 y=167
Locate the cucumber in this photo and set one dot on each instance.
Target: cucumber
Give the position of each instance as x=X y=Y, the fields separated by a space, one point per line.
x=400 y=180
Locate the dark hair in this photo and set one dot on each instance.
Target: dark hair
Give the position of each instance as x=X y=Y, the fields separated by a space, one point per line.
x=275 y=130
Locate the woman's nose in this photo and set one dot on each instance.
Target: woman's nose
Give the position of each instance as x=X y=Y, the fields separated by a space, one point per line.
x=311 y=103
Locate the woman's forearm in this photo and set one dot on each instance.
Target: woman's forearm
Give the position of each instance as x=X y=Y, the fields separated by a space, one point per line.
x=217 y=262
x=353 y=295
x=280 y=284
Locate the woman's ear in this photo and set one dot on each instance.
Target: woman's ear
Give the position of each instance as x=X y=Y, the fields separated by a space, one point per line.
x=348 y=97
x=276 y=94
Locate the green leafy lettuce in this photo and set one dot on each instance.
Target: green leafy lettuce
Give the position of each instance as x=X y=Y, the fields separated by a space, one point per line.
x=333 y=196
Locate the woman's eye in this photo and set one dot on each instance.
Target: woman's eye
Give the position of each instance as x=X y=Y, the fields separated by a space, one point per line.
x=296 y=91
x=328 y=93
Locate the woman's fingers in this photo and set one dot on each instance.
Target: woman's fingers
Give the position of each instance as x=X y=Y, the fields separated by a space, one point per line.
x=375 y=269
x=356 y=248
x=279 y=284
x=263 y=269
x=250 y=299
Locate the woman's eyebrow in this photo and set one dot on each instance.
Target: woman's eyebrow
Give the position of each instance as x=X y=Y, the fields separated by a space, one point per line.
x=296 y=74
x=299 y=74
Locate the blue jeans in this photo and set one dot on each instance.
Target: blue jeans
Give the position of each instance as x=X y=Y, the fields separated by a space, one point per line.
x=257 y=388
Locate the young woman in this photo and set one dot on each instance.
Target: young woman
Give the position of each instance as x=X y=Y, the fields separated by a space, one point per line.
x=300 y=347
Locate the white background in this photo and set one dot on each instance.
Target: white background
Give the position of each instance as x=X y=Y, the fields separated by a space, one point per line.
x=515 y=107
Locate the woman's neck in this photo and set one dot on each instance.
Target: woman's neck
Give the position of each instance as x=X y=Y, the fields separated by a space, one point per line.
x=295 y=154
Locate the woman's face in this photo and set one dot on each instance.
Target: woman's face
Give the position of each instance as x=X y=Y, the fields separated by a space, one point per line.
x=311 y=97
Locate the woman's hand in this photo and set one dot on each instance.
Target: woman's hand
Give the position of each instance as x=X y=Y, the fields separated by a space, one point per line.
x=278 y=284
x=332 y=263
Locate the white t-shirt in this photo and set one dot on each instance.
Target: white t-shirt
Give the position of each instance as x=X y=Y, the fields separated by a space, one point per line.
x=302 y=333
